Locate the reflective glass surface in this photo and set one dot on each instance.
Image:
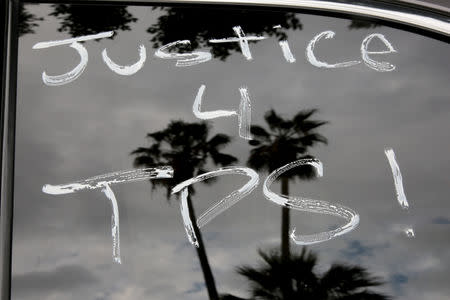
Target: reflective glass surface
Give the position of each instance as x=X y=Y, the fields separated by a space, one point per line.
x=338 y=106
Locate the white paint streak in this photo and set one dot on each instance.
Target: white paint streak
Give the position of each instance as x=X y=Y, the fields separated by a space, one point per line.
x=398 y=181
x=287 y=52
x=242 y=39
x=188 y=227
x=126 y=70
x=56 y=80
x=244 y=115
x=285 y=48
x=311 y=205
x=70 y=76
x=378 y=66
x=218 y=207
x=243 y=43
x=207 y=115
x=43 y=45
x=103 y=182
x=99 y=181
x=320 y=64
x=115 y=232
x=410 y=232
x=183 y=59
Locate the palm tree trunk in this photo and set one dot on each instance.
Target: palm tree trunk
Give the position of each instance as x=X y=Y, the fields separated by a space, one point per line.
x=286 y=288
x=285 y=220
x=202 y=257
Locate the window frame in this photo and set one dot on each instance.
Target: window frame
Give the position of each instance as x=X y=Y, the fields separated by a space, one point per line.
x=412 y=15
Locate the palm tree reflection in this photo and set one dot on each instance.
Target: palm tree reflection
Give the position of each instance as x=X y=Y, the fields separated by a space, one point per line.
x=299 y=271
x=358 y=23
x=198 y=24
x=27 y=20
x=195 y=23
x=285 y=141
x=186 y=147
x=79 y=20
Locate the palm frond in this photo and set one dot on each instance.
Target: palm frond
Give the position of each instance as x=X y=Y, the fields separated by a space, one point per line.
x=296 y=277
x=288 y=140
x=304 y=114
x=259 y=133
x=218 y=141
x=184 y=146
x=273 y=120
x=345 y=279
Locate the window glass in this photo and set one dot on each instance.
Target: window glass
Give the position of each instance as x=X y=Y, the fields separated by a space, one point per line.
x=118 y=106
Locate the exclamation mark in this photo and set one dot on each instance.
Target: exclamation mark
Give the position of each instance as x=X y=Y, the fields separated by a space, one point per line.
x=401 y=197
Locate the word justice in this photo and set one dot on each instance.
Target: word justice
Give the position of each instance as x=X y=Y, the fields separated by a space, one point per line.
x=198 y=57
x=104 y=183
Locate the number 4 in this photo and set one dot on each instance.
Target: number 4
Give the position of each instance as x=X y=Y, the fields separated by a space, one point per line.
x=244 y=114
